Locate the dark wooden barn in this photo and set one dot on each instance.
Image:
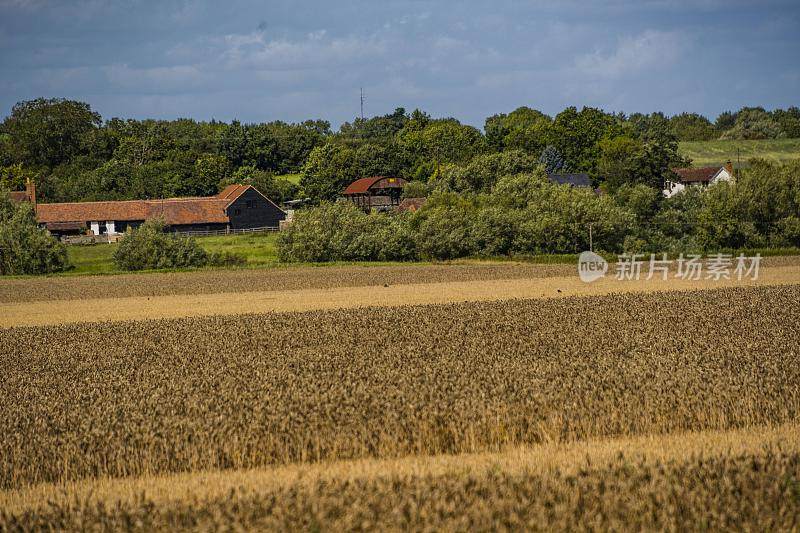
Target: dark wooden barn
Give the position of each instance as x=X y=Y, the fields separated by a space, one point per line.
x=377 y=192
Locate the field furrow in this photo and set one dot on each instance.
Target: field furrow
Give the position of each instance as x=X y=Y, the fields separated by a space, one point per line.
x=160 y=396
x=739 y=479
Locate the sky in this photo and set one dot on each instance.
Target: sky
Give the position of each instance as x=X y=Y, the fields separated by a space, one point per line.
x=294 y=60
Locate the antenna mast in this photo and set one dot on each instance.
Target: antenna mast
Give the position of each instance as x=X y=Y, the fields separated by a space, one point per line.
x=362 y=103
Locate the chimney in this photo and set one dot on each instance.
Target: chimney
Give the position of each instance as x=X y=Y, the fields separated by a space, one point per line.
x=729 y=167
x=30 y=188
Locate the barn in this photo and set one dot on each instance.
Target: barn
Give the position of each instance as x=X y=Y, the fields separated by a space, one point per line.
x=236 y=207
x=377 y=192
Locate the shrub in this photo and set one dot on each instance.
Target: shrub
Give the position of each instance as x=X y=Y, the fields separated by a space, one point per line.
x=483 y=171
x=445 y=232
x=788 y=232
x=343 y=232
x=149 y=247
x=397 y=239
x=415 y=189
x=494 y=230
x=542 y=233
x=24 y=247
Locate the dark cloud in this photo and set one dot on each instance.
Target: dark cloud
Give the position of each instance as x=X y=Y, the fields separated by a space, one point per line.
x=295 y=60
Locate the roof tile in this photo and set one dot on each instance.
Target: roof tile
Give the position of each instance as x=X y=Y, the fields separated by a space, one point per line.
x=696 y=174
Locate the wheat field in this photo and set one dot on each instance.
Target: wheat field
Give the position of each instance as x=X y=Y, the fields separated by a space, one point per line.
x=625 y=410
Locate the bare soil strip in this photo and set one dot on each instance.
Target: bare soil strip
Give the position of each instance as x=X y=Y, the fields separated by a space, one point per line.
x=30 y=289
x=227 y=303
x=566 y=458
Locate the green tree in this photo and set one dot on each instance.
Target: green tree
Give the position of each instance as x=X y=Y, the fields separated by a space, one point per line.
x=639 y=199
x=332 y=232
x=376 y=130
x=753 y=123
x=620 y=161
x=209 y=171
x=725 y=121
x=692 y=127
x=276 y=189
x=789 y=121
x=444 y=230
x=416 y=189
x=14 y=177
x=329 y=169
x=443 y=141
x=24 y=247
x=523 y=129
x=577 y=134
x=482 y=172
x=46 y=133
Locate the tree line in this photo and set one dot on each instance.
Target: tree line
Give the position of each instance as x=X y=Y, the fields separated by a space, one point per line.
x=75 y=155
x=513 y=209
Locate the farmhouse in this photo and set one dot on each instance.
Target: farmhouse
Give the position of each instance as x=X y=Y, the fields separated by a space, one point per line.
x=376 y=192
x=697 y=177
x=236 y=207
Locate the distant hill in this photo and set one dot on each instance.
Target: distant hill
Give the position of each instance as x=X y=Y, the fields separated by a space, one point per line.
x=708 y=153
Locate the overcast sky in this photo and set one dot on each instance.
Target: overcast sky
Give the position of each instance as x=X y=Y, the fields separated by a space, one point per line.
x=295 y=59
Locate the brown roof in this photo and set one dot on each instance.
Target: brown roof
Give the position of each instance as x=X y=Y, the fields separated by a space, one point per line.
x=232 y=192
x=363 y=185
x=696 y=174
x=174 y=211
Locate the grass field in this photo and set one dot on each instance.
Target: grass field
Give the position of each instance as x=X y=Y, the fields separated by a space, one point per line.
x=654 y=409
x=294 y=178
x=712 y=153
x=259 y=250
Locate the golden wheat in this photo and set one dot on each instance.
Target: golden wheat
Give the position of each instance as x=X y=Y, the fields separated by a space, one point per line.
x=150 y=397
x=750 y=492
x=283 y=278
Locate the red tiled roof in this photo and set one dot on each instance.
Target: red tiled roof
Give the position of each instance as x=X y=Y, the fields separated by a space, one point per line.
x=190 y=211
x=696 y=174
x=232 y=192
x=174 y=211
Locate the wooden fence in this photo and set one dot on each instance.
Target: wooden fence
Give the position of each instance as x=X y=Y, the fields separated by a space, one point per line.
x=210 y=233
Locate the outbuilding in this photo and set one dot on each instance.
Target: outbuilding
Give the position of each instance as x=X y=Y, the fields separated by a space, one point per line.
x=377 y=192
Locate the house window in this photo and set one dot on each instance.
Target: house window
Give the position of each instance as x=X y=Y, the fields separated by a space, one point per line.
x=251 y=204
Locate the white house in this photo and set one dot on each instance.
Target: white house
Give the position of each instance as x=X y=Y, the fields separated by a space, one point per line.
x=697 y=177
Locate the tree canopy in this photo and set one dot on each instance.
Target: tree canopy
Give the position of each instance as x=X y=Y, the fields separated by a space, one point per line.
x=74 y=155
